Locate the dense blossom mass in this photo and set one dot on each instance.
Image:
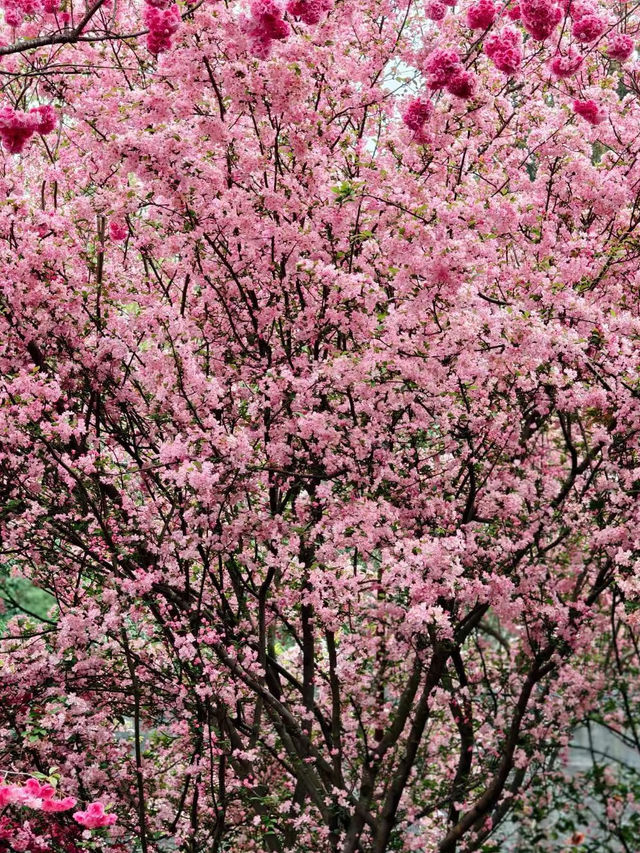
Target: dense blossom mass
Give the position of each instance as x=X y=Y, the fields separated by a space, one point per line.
x=319 y=425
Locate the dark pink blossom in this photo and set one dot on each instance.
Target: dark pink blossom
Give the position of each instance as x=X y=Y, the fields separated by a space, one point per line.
x=17 y=128
x=45 y=118
x=435 y=10
x=620 y=46
x=94 y=817
x=265 y=26
x=418 y=112
x=481 y=15
x=565 y=66
x=117 y=231
x=309 y=11
x=441 y=65
x=504 y=48
x=589 y=111
x=588 y=28
x=51 y=805
x=462 y=84
x=162 y=24
x=540 y=17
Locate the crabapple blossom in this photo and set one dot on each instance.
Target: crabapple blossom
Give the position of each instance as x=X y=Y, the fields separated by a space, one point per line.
x=620 y=46
x=481 y=14
x=319 y=423
x=589 y=110
x=435 y=10
x=309 y=11
x=588 y=28
x=417 y=113
x=540 y=17
x=565 y=66
x=94 y=817
x=462 y=84
x=163 y=23
x=441 y=66
x=504 y=48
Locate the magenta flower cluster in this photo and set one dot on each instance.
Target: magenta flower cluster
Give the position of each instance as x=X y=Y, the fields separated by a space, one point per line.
x=416 y=115
x=17 y=127
x=162 y=18
x=504 y=48
x=481 y=15
x=540 y=17
x=41 y=797
x=265 y=26
x=309 y=11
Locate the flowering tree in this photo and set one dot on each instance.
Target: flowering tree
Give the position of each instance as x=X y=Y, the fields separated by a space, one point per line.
x=319 y=410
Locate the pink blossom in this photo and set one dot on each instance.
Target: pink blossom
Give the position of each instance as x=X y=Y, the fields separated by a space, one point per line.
x=267 y=15
x=265 y=26
x=588 y=28
x=481 y=15
x=589 y=110
x=117 y=231
x=35 y=795
x=13 y=13
x=620 y=46
x=435 y=10
x=16 y=128
x=46 y=118
x=94 y=816
x=34 y=788
x=579 y=8
x=309 y=11
x=540 y=17
x=462 y=84
x=418 y=112
x=9 y=794
x=162 y=24
x=504 y=48
x=441 y=65
x=565 y=66
x=51 y=805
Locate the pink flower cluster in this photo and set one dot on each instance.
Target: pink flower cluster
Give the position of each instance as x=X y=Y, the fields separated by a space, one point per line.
x=35 y=796
x=117 y=231
x=589 y=110
x=444 y=70
x=15 y=11
x=565 y=66
x=94 y=817
x=162 y=18
x=462 y=84
x=620 y=46
x=265 y=26
x=17 y=127
x=417 y=114
x=38 y=796
x=540 y=17
x=435 y=10
x=514 y=12
x=441 y=65
x=481 y=15
x=309 y=11
x=588 y=28
x=504 y=48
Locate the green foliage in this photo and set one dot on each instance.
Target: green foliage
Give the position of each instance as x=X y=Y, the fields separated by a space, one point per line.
x=20 y=597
